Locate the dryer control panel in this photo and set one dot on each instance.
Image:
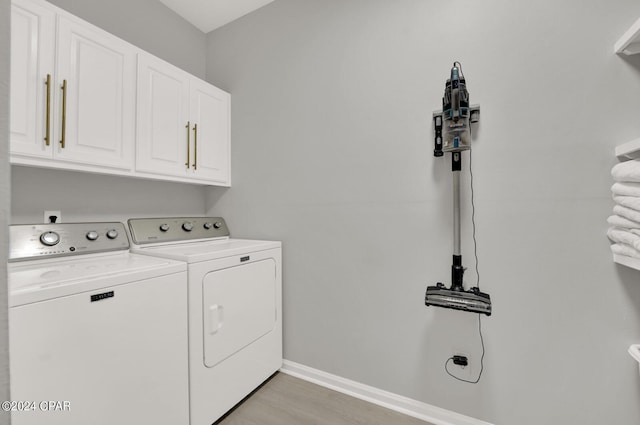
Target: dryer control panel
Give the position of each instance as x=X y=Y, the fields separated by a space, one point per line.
x=171 y=229
x=33 y=241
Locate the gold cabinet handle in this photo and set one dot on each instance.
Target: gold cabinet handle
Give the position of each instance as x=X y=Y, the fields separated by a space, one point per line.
x=47 y=136
x=195 y=146
x=188 y=126
x=64 y=112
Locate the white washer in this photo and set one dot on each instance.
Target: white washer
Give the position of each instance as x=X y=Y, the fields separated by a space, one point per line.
x=235 y=307
x=100 y=332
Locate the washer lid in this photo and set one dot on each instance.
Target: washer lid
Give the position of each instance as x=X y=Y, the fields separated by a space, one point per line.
x=194 y=252
x=40 y=280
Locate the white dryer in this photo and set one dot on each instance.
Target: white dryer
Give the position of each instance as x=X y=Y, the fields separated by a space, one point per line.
x=97 y=335
x=235 y=307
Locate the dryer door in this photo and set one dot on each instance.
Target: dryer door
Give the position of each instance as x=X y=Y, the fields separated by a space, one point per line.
x=239 y=306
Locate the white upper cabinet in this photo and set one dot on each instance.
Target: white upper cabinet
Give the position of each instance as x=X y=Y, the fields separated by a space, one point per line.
x=183 y=124
x=163 y=111
x=79 y=116
x=85 y=100
x=209 y=112
x=32 y=71
x=98 y=117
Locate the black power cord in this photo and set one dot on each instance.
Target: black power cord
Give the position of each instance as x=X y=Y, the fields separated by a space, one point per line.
x=475 y=253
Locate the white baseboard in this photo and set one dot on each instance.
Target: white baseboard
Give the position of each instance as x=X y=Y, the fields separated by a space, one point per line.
x=407 y=406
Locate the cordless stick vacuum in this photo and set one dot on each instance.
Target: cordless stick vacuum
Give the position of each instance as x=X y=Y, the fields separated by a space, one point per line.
x=453 y=134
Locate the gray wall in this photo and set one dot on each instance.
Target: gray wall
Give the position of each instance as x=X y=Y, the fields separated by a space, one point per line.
x=332 y=153
x=93 y=197
x=82 y=197
x=5 y=44
x=149 y=25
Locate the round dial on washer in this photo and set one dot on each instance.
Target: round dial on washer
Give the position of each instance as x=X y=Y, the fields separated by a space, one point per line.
x=49 y=238
x=112 y=234
x=217 y=225
x=92 y=235
x=208 y=225
x=164 y=227
x=186 y=226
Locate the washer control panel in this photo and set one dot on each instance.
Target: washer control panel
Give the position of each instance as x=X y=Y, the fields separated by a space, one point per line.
x=157 y=230
x=32 y=241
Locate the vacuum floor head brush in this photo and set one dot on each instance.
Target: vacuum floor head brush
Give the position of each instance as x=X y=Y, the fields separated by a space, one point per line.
x=453 y=134
x=472 y=300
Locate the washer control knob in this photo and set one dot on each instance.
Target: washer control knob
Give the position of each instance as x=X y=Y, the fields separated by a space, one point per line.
x=164 y=227
x=186 y=226
x=208 y=225
x=49 y=238
x=217 y=225
x=112 y=234
x=92 y=235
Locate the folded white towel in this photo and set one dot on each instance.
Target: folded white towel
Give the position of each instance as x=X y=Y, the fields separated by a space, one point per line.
x=618 y=221
x=632 y=202
x=622 y=236
x=627 y=171
x=628 y=213
x=625 y=189
x=622 y=249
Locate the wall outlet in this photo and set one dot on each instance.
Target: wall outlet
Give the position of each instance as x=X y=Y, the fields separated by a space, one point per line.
x=49 y=214
x=463 y=372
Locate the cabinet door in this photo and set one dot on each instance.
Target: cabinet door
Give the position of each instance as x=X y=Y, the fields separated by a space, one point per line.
x=32 y=60
x=98 y=123
x=163 y=131
x=210 y=111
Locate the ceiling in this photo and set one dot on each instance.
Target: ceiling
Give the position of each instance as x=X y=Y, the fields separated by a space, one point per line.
x=207 y=15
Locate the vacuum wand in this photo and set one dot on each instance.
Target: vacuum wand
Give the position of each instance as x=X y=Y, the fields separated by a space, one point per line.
x=457 y=270
x=453 y=134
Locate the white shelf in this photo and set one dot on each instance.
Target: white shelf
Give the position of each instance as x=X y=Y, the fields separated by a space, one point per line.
x=629 y=43
x=629 y=150
x=631 y=262
x=634 y=350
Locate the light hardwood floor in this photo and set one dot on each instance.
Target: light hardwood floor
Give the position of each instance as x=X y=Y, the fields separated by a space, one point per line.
x=285 y=400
